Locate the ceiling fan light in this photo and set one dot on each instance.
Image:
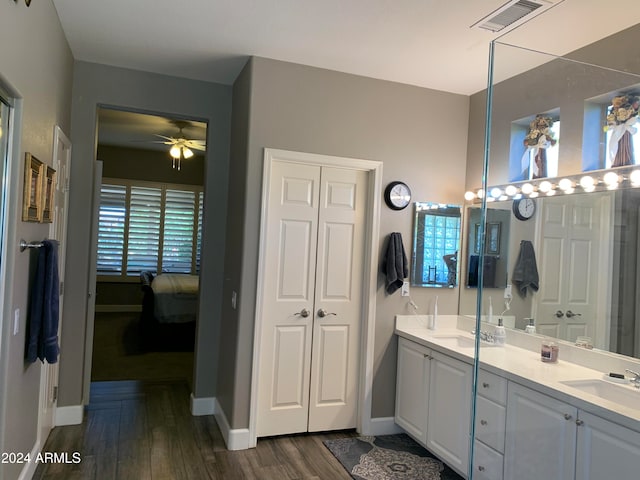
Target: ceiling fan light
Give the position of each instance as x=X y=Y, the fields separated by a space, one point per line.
x=175 y=152
x=186 y=152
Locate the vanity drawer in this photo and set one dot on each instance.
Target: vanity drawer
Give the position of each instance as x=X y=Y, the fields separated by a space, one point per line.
x=490 y=423
x=492 y=386
x=487 y=463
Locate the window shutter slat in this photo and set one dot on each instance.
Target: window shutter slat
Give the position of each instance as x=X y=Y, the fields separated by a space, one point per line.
x=177 y=249
x=111 y=225
x=144 y=229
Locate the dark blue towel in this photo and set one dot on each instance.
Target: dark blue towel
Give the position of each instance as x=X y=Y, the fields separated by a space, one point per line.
x=395 y=265
x=42 y=338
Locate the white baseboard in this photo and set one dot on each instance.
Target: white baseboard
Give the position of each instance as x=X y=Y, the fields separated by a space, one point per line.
x=71 y=415
x=383 y=426
x=118 y=308
x=203 y=406
x=29 y=468
x=237 y=439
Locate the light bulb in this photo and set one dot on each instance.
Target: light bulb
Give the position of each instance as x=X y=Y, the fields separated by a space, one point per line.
x=496 y=192
x=527 y=189
x=469 y=196
x=480 y=193
x=565 y=184
x=634 y=177
x=587 y=182
x=175 y=152
x=533 y=194
x=503 y=198
x=545 y=186
x=186 y=152
x=551 y=193
x=611 y=179
x=510 y=190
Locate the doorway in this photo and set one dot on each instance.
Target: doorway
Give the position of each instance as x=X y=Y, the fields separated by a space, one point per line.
x=149 y=208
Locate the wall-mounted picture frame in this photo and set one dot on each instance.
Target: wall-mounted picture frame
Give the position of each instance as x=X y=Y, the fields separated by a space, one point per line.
x=492 y=246
x=32 y=195
x=48 y=193
x=493 y=238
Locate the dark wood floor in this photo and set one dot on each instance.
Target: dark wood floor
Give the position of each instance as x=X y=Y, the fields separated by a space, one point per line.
x=145 y=431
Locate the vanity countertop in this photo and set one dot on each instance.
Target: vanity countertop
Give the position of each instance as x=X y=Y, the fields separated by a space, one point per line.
x=522 y=366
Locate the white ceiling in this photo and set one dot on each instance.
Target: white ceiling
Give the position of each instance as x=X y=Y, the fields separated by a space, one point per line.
x=427 y=43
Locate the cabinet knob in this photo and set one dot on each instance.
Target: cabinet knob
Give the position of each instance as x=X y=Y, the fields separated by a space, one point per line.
x=483 y=422
x=567 y=416
x=481 y=468
x=579 y=422
x=485 y=385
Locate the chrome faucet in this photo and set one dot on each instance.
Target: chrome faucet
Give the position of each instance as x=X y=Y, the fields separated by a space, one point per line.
x=635 y=381
x=485 y=336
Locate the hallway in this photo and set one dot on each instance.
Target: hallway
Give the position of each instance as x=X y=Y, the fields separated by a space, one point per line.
x=144 y=430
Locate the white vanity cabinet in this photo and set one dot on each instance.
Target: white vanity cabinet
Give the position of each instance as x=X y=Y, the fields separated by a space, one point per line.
x=433 y=402
x=540 y=438
x=449 y=420
x=490 y=420
x=412 y=388
x=550 y=439
x=606 y=449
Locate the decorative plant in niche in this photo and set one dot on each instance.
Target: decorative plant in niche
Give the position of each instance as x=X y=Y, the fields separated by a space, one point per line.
x=538 y=139
x=622 y=114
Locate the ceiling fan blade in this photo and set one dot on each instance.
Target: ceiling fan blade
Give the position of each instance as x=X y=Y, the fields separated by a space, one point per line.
x=196 y=144
x=170 y=140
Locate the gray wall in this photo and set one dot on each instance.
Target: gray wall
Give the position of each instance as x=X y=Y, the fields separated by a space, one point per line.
x=37 y=65
x=99 y=85
x=294 y=107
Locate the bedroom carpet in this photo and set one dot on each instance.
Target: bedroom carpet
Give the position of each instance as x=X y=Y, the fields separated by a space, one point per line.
x=388 y=457
x=119 y=353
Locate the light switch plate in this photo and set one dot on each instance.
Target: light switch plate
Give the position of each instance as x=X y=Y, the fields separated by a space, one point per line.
x=507 y=292
x=405 y=289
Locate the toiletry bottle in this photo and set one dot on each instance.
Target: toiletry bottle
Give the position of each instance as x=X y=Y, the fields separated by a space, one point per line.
x=549 y=351
x=490 y=315
x=530 y=328
x=499 y=334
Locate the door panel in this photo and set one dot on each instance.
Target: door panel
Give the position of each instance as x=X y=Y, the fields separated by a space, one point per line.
x=338 y=291
x=285 y=356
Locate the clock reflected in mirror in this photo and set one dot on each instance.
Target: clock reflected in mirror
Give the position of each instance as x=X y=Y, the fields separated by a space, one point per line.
x=524 y=208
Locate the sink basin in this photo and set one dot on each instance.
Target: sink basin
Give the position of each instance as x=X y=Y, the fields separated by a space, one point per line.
x=461 y=341
x=626 y=396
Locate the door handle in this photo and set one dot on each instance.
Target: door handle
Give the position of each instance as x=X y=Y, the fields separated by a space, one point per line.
x=560 y=314
x=304 y=313
x=323 y=313
x=571 y=314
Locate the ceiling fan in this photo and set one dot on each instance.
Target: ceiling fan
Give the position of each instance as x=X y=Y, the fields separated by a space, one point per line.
x=181 y=147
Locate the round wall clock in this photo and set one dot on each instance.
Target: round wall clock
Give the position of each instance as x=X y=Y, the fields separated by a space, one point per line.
x=524 y=208
x=397 y=195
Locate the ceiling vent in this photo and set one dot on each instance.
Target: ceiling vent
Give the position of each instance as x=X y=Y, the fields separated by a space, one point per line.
x=513 y=14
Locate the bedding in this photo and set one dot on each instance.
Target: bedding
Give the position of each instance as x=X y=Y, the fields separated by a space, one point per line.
x=175 y=297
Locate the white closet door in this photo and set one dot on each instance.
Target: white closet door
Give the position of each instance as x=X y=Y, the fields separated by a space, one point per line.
x=309 y=360
x=339 y=266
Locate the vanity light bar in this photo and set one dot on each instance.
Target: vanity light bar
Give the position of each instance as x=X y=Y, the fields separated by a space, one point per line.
x=609 y=179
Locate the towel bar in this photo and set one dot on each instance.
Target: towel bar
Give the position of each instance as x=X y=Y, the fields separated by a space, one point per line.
x=24 y=245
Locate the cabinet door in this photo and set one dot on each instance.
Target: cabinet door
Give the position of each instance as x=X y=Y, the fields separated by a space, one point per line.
x=606 y=450
x=540 y=438
x=412 y=389
x=450 y=411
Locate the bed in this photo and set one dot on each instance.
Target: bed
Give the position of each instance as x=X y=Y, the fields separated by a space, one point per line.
x=169 y=307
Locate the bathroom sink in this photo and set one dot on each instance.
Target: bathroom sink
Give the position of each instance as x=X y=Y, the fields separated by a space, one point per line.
x=461 y=341
x=626 y=396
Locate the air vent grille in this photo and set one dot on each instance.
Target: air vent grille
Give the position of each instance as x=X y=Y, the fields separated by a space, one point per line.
x=507 y=15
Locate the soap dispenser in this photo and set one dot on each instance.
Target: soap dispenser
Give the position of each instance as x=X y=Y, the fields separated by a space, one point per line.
x=530 y=328
x=499 y=334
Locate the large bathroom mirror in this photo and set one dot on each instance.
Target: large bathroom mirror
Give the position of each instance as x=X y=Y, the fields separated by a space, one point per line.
x=4 y=140
x=436 y=245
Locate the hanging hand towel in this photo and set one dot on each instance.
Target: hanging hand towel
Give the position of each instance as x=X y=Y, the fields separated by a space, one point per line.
x=525 y=273
x=43 y=319
x=395 y=265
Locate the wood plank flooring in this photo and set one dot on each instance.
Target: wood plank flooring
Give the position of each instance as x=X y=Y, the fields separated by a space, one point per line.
x=145 y=431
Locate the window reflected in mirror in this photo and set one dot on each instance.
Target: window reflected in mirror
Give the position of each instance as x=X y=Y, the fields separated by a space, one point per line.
x=436 y=245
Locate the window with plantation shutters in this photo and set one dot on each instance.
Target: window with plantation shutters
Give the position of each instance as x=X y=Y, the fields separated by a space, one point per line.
x=111 y=228
x=146 y=226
